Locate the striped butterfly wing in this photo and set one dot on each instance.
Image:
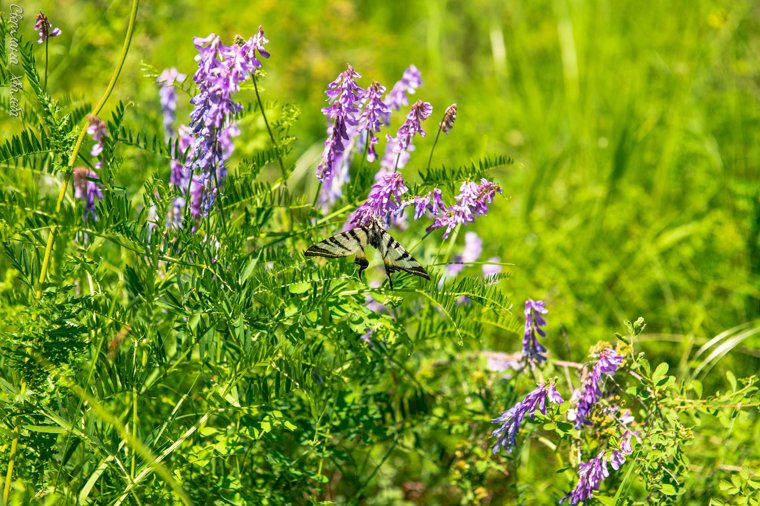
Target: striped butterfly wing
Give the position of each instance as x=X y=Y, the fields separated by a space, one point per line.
x=396 y=258
x=344 y=244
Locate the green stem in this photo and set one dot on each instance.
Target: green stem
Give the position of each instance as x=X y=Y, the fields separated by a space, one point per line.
x=271 y=134
x=276 y=147
x=12 y=456
x=78 y=144
x=134 y=432
x=44 y=87
x=437 y=135
x=316 y=195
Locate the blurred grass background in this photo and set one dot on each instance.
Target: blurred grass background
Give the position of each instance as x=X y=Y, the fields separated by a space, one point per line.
x=633 y=126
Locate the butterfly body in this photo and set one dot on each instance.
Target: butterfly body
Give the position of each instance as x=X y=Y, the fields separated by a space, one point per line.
x=353 y=242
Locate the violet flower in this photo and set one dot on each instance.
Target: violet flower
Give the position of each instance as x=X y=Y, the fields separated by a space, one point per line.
x=592 y=473
x=44 y=28
x=410 y=81
x=169 y=98
x=412 y=125
x=99 y=132
x=221 y=70
x=533 y=350
x=384 y=199
x=589 y=393
x=87 y=190
x=472 y=201
x=372 y=116
x=432 y=202
x=512 y=418
x=343 y=94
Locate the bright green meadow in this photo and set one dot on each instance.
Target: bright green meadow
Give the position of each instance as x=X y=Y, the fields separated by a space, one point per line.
x=214 y=363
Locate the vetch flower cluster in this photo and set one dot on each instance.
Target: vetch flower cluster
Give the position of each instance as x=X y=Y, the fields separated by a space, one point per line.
x=354 y=111
x=411 y=126
x=431 y=202
x=590 y=392
x=592 y=473
x=511 y=419
x=221 y=70
x=44 y=28
x=384 y=200
x=534 y=323
x=472 y=201
x=343 y=95
x=397 y=98
x=371 y=118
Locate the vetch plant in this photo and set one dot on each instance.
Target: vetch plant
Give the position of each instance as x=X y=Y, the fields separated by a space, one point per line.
x=209 y=360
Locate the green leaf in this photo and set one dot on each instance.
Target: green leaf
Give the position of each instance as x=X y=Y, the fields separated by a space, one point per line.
x=696 y=385
x=731 y=379
x=299 y=288
x=659 y=373
x=668 y=489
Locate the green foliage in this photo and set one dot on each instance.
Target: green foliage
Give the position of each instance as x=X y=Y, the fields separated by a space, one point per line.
x=218 y=365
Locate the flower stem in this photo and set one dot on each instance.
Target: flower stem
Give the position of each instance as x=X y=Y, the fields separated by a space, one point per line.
x=80 y=139
x=437 y=135
x=276 y=148
x=44 y=87
x=271 y=134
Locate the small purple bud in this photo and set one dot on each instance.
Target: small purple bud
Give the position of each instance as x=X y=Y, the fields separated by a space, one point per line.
x=448 y=118
x=44 y=28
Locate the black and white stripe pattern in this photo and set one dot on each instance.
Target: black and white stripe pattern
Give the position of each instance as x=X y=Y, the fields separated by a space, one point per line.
x=395 y=257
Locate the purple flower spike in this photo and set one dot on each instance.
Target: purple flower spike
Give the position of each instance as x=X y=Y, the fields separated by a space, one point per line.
x=372 y=116
x=343 y=94
x=87 y=190
x=534 y=323
x=413 y=125
x=169 y=98
x=44 y=28
x=384 y=199
x=221 y=70
x=448 y=118
x=512 y=418
x=589 y=393
x=472 y=201
x=592 y=473
x=410 y=81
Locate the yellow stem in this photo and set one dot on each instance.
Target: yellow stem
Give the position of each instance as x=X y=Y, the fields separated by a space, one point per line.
x=11 y=461
x=80 y=139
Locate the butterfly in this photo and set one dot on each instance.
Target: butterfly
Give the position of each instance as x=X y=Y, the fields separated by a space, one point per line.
x=395 y=257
